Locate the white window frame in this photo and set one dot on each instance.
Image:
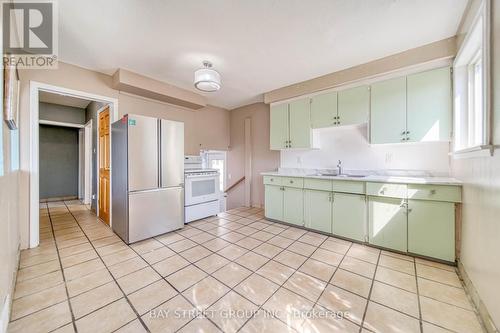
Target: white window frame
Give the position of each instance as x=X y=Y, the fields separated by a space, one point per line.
x=468 y=55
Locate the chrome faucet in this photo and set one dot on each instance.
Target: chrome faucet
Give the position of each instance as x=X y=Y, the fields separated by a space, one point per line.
x=339 y=168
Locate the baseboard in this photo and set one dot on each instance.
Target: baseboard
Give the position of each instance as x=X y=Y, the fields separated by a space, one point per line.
x=476 y=299
x=66 y=198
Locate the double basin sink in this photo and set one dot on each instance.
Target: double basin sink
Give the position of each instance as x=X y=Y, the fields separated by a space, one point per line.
x=344 y=175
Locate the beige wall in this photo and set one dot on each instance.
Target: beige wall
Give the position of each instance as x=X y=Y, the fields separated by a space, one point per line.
x=481 y=201
x=207 y=127
x=263 y=159
x=9 y=227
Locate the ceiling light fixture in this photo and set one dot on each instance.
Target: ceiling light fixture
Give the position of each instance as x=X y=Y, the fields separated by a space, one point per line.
x=206 y=78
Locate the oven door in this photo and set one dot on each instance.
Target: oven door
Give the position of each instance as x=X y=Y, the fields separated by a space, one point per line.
x=201 y=188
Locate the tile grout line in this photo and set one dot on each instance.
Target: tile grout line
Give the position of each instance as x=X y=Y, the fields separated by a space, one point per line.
x=370 y=293
x=421 y=325
x=63 y=275
x=124 y=295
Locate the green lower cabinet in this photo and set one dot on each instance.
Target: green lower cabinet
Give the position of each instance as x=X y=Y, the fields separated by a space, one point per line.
x=387 y=225
x=349 y=216
x=293 y=205
x=431 y=229
x=274 y=202
x=318 y=210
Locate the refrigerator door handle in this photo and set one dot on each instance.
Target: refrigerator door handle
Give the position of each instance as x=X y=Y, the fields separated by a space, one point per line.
x=159 y=152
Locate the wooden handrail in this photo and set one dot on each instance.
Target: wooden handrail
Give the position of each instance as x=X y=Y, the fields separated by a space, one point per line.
x=234 y=185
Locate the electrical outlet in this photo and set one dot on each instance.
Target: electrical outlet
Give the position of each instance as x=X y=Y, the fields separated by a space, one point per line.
x=299 y=160
x=229 y=176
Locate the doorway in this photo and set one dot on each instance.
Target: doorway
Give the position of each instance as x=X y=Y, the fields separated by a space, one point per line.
x=37 y=90
x=216 y=159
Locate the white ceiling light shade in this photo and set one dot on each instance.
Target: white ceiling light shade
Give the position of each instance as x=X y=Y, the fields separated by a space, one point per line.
x=206 y=78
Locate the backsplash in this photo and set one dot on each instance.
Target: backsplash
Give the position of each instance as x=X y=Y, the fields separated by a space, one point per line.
x=350 y=144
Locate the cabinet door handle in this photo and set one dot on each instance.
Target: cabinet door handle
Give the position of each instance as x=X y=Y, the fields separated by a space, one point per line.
x=403 y=133
x=291 y=181
x=433 y=192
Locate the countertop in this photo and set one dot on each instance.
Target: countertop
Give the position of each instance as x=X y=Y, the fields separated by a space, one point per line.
x=374 y=178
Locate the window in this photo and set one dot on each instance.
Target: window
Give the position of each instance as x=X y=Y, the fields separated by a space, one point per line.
x=470 y=88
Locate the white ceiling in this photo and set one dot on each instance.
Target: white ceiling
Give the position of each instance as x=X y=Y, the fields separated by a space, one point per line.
x=47 y=97
x=256 y=45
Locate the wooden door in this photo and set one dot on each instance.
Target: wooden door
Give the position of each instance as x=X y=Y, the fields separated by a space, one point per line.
x=104 y=165
x=318 y=210
x=279 y=127
x=388 y=111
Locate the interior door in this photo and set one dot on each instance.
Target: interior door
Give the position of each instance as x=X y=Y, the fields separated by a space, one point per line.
x=388 y=111
x=142 y=153
x=104 y=165
x=172 y=153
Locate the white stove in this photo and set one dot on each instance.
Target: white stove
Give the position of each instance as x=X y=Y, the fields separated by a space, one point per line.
x=202 y=194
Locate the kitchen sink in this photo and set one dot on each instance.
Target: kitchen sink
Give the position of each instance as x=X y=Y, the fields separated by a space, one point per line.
x=345 y=175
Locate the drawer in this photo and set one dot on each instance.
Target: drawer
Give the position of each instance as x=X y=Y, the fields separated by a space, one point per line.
x=318 y=184
x=435 y=192
x=387 y=190
x=273 y=180
x=348 y=186
x=293 y=182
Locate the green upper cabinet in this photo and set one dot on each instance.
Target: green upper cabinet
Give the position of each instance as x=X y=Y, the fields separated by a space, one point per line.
x=300 y=124
x=353 y=106
x=429 y=106
x=274 y=202
x=324 y=110
x=349 y=216
x=318 y=210
x=290 y=125
x=387 y=225
x=279 y=126
x=293 y=205
x=388 y=111
x=431 y=229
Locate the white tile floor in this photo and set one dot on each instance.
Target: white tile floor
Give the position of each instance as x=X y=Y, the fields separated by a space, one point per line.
x=245 y=273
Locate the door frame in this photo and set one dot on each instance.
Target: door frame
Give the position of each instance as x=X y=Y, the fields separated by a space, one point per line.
x=34 y=175
x=87 y=196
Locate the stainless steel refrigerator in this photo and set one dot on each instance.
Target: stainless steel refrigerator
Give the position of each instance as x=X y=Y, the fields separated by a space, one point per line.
x=147 y=179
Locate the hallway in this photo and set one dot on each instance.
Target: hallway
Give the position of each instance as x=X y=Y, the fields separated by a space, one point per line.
x=237 y=261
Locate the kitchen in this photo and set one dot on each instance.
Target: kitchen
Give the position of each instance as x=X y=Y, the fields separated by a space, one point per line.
x=356 y=192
